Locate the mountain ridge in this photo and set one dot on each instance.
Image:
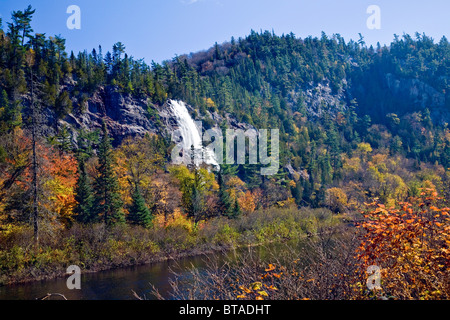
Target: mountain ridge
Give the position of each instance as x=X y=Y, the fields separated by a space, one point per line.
x=325 y=95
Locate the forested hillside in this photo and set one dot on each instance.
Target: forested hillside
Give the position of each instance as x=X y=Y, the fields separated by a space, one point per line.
x=356 y=123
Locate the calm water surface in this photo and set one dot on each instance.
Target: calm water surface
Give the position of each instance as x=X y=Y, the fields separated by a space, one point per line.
x=119 y=284
x=109 y=285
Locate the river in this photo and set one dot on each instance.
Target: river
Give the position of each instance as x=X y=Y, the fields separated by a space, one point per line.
x=117 y=284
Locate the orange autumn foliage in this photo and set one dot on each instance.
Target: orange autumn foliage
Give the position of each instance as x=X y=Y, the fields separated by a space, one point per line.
x=263 y=289
x=411 y=245
x=176 y=220
x=57 y=178
x=247 y=202
x=58 y=174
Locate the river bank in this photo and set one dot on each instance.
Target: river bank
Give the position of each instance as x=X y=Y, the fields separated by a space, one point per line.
x=94 y=248
x=36 y=275
x=112 y=284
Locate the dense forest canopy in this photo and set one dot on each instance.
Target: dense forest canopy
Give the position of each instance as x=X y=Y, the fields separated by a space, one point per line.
x=261 y=80
x=357 y=125
x=265 y=80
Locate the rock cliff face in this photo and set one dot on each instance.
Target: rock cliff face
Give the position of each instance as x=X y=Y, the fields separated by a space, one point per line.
x=320 y=98
x=124 y=115
x=416 y=91
x=418 y=95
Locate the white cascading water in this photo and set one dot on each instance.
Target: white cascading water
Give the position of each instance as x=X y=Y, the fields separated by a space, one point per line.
x=190 y=136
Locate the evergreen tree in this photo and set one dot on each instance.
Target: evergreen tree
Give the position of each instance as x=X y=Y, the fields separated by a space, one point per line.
x=63 y=138
x=4 y=106
x=107 y=198
x=297 y=193
x=21 y=24
x=225 y=205
x=308 y=189
x=229 y=169
x=86 y=142
x=236 y=209
x=252 y=175
x=319 y=197
x=195 y=207
x=139 y=212
x=63 y=105
x=10 y=114
x=84 y=212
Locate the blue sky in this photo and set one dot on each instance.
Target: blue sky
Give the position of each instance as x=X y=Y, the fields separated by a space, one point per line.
x=160 y=29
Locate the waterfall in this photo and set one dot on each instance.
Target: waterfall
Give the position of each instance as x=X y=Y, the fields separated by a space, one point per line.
x=191 y=136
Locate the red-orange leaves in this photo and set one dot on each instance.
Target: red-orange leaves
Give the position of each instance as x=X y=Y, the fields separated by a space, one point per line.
x=411 y=246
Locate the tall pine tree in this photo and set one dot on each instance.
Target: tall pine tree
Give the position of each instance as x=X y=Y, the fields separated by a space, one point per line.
x=139 y=212
x=225 y=205
x=10 y=113
x=195 y=207
x=84 y=209
x=107 y=198
x=236 y=209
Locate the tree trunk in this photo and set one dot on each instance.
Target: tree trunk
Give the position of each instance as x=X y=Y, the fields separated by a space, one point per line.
x=34 y=167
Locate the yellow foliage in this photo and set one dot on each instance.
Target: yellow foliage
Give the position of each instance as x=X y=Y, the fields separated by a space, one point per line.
x=429 y=185
x=123 y=179
x=9 y=229
x=379 y=158
x=390 y=202
x=351 y=164
x=161 y=192
x=210 y=103
x=364 y=148
x=179 y=220
x=336 y=199
x=186 y=177
x=247 y=202
x=289 y=202
x=61 y=200
x=159 y=221
x=235 y=187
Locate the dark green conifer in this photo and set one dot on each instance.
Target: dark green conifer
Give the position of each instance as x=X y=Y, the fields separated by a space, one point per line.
x=107 y=198
x=139 y=212
x=84 y=212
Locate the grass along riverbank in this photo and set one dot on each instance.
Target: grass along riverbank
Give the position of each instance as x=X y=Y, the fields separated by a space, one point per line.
x=95 y=247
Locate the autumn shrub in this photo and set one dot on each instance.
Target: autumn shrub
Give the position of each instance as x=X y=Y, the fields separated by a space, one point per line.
x=226 y=236
x=276 y=231
x=180 y=221
x=25 y=263
x=410 y=244
x=336 y=199
x=47 y=258
x=97 y=247
x=13 y=235
x=12 y=259
x=208 y=231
